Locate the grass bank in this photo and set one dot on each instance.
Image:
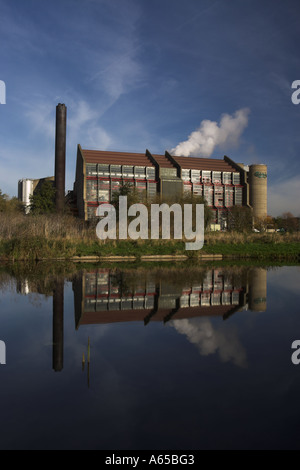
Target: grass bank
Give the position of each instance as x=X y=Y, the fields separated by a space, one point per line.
x=63 y=237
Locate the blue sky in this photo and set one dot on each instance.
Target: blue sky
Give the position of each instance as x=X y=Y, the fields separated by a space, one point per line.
x=137 y=74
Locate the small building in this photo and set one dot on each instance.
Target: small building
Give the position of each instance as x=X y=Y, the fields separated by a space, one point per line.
x=27 y=187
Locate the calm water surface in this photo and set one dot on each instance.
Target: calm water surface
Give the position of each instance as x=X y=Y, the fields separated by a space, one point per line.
x=154 y=359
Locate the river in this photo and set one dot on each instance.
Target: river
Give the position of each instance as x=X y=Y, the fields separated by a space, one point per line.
x=160 y=358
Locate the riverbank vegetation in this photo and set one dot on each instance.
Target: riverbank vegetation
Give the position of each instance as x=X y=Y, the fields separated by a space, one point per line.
x=52 y=236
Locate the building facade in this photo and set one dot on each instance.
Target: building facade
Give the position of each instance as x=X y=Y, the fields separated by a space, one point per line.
x=222 y=182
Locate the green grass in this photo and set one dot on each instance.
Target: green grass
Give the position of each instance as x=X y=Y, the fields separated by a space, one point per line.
x=38 y=248
x=63 y=237
x=255 y=250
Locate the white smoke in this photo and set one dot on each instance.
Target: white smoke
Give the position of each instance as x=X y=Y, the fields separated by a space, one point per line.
x=208 y=340
x=210 y=134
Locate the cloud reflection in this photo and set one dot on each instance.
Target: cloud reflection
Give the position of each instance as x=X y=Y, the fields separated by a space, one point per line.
x=210 y=340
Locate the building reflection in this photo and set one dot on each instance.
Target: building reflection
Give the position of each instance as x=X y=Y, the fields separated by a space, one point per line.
x=104 y=296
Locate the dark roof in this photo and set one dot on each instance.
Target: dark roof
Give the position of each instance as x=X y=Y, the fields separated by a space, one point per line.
x=197 y=163
x=116 y=158
x=163 y=161
x=142 y=159
x=116 y=316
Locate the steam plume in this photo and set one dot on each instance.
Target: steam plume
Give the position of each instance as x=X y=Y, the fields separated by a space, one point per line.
x=210 y=134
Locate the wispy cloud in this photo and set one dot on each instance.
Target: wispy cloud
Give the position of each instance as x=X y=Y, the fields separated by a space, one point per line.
x=84 y=128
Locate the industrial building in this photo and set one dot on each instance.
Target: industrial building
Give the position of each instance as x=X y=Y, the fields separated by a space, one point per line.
x=27 y=188
x=222 y=182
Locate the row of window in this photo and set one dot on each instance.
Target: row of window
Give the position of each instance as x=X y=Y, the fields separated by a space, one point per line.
x=101 y=170
x=120 y=171
x=103 y=284
x=102 y=190
x=215 y=177
x=205 y=299
x=218 y=196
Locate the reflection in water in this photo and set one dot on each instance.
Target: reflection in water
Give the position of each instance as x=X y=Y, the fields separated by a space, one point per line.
x=58 y=325
x=209 y=340
x=178 y=358
x=106 y=296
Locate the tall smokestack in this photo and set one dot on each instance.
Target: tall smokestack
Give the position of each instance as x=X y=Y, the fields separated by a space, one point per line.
x=60 y=156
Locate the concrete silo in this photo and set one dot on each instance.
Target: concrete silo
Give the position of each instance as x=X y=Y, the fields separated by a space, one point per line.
x=258 y=190
x=258 y=289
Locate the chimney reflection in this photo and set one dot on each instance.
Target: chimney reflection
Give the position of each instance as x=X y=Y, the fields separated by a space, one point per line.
x=58 y=325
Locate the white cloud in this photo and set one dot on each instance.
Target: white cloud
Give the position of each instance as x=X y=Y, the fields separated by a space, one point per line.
x=225 y=341
x=83 y=127
x=210 y=134
x=40 y=115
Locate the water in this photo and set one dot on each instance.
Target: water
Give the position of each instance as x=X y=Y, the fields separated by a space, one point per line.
x=178 y=359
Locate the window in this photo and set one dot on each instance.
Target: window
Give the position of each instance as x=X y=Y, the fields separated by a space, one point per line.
x=216 y=298
x=226 y=298
x=195 y=176
x=228 y=196
x=91 y=190
x=227 y=177
x=206 y=176
x=103 y=191
x=238 y=196
x=103 y=170
x=185 y=175
x=208 y=193
x=216 y=177
x=235 y=299
x=184 y=301
x=91 y=170
x=127 y=171
x=140 y=172
x=197 y=189
x=151 y=189
x=205 y=299
x=115 y=171
x=207 y=282
x=218 y=196
x=236 y=178
x=150 y=172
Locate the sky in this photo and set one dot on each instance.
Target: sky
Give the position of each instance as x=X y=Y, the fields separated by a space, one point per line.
x=205 y=78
